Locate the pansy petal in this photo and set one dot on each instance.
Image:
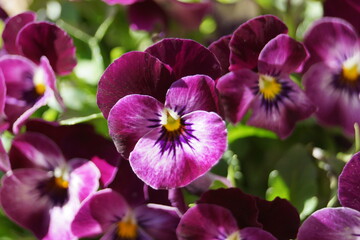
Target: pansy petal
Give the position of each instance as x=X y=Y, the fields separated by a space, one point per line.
x=206 y=222
x=242 y=206
x=349 y=195
x=146 y=15
x=235 y=94
x=4 y=159
x=281 y=55
x=35 y=150
x=193 y=93
x=22 y=203
x=249 y=39
x=122 y=2
x=3 y=123
x=203 y=183
x=330 y=40
x=337 y=105
x=164 y=163
x=157 y=221
x=331 y=224
x=12 y=27
x=46 y=39
x=131 y=118
x=282 y=114
x=186 y=57
x=221 y=50
x=252 y=233
x=133 y=73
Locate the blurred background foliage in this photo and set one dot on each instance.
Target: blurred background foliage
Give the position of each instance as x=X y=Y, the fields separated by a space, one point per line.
x=303 y=168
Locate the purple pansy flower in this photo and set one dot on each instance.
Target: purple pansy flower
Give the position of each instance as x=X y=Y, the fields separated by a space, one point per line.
x=43 y=191
x=261 y=60
x=25 y=88
x=169 y=145
x=333 y=79
x=24 y=36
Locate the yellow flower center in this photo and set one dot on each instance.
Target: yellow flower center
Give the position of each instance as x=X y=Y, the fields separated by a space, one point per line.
x=61 y=182
x=234 y=236
x=39 y=81
x=40 y=89
x=127 y=227
x=170 y=120
x=269 y=87
x=351 y=69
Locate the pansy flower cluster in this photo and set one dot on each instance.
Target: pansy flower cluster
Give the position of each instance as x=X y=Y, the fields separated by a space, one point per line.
x=154 y=174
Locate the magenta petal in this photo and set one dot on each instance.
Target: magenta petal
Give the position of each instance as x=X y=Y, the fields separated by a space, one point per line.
x=146 y=15
x=157 y=221
x=221 y=50
x=206 y=222
x=133 y=73
x=12 y=27
x=330 y=40
x=252 y=233
x=349 y=195
x=35 y=150
x=199 y=148
x=331 y=224
x=249 y=39
x=3 y=123
x=131 y=118
x=193 y=93
x=22 y=203
x=236 y=96
x=46 y=39
x=281 y=55
x=186 y=57
x=122 y=2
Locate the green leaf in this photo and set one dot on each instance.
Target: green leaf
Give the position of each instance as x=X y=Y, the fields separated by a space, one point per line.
x=242 y=131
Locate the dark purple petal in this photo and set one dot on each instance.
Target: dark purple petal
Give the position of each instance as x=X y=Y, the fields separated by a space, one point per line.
x=249 y=39
x=279 y=218
x=354 y=4
x=4 y=159
x=3 y=14
x=337 y=104
x=281 y=114
x=330 y=40
x=122 y=2
x=281 y=55
x=131 y=118
x=331 y=224
x=206 y=222
x=12 y=27
x=22 y=203
x=193 y=93
x=35 y=150
x=241 y=205
x=176 y=198
x=349 y=195
x=163 y=163
x=235 y=94
x=252 y=233
x=158 y=221
x=221 y=50
x=46 y=39
x=133 y=73
x=186 y=57
x=147 y=16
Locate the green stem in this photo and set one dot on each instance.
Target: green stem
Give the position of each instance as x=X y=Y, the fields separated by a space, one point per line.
x=357 y=137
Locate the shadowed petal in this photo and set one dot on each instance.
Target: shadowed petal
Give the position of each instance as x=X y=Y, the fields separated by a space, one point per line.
x=235 y=93
x=349 y=195
x=122 y=2
x=252 y=233
x=12 y=27
x=3 y=123
x=281 y=55
x=186 y=57
x=330 y=40
x=221 y=50
x=249 y=39
x=173 y=164
x=133 y=73
x=131 y=118
x=46 y=39
x=206 y=222
x=331 y=224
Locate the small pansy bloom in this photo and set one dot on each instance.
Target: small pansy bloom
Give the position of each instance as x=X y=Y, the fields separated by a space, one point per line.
x=170 y=144
x=332 y=81
x=260 y=64
x=43 y=191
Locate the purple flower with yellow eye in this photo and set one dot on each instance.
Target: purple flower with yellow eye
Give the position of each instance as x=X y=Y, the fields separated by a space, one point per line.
x=170 y=144
x=43 y=191
x=261 y=61
x=332 y=81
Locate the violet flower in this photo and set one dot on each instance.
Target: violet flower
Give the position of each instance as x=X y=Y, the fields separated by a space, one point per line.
x=261 y=61
x=44 y=191
x=333 y=80
x=169 y=145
